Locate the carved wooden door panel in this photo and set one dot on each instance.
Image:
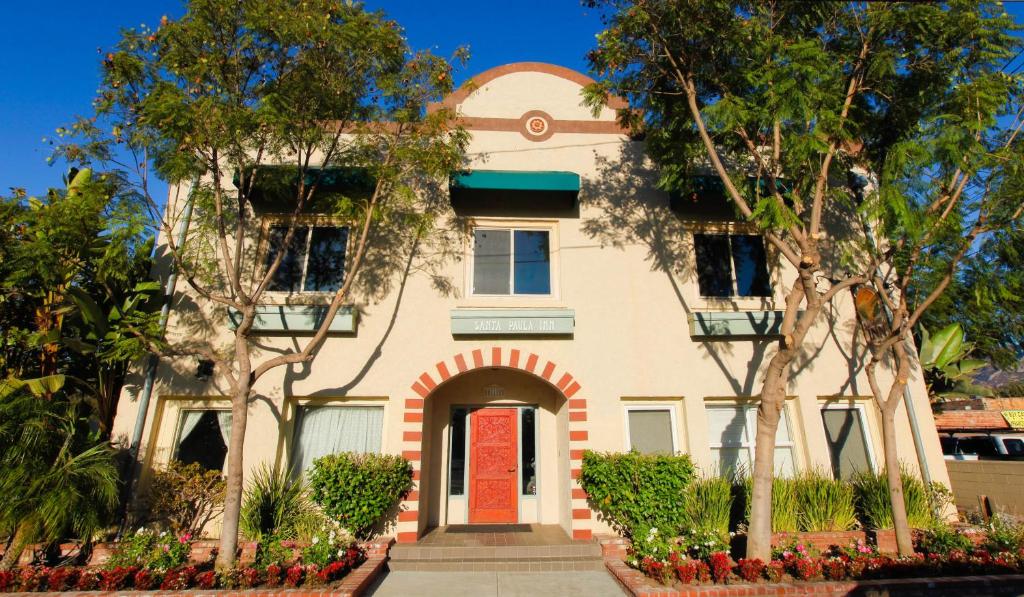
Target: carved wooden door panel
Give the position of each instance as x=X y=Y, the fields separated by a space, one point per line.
x=493 y=465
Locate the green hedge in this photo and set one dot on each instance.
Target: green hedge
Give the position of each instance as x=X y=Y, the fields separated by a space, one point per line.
x=358 y=490
x=636 y=492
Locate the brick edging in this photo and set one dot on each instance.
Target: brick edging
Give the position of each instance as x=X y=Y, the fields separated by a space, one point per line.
x=637 y=584
x=354 y=584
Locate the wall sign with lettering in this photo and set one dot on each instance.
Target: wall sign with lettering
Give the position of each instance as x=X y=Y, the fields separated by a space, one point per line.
x=513 y=322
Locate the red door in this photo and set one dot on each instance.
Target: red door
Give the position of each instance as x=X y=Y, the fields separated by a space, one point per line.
x=493 y=460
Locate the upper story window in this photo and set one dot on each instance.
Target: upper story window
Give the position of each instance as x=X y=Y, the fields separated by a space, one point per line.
x=731 y=265
x=314 y=260
x=511 y=261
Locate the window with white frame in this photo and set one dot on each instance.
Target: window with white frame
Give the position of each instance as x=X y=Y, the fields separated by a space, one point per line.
x=314 y=260
x=651 y=429
x=322 y=430
x=511 y=261
x=203 y=437
x=731 y=265
x=732 y=430
x=846 y=435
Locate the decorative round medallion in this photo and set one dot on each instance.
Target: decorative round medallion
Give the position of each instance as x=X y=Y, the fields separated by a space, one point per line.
x=536 y=125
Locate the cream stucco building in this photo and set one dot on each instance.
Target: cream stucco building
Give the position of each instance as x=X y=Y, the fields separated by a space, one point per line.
x=573 y=307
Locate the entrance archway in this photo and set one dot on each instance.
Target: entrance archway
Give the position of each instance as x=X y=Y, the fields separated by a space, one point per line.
x=417 y=510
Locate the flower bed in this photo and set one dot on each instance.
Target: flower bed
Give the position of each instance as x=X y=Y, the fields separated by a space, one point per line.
x=855 y=562
x=179 y=578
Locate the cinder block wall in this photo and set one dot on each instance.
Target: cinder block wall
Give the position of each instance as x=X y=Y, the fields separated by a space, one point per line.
x=1001 y=481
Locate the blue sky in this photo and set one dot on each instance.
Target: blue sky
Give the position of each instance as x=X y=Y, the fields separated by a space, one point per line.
x=52 y=51
x=51 y=61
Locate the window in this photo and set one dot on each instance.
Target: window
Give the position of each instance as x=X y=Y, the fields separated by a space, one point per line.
x=651 y=430
x=203 y=437
x=457 y=453
x=732 y=433
x=313 y=262
x=847 y=441
x=731 y=265
x=511 y=262
x=528 y=450
x=323 y=430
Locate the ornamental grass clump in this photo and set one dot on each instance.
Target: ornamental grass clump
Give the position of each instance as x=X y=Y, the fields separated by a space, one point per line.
x=785 y=513
x=873 y=504
x=707 y=505
x=823 y=503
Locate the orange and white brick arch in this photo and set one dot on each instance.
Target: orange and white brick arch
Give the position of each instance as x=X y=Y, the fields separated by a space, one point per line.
x=520 y=360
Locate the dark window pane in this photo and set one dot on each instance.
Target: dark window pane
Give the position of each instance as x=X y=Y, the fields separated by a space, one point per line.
x=203 y=442
x=491 y=261
x=288 y=277
x=532 y=262
x=1014 y=447
x=457 y=448
x=751 y=266
x=326 y=268
x=847 y=444
x=529 y=451
x=714 y=273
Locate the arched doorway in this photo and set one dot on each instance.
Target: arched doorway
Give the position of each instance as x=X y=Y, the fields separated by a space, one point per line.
x=495 y=440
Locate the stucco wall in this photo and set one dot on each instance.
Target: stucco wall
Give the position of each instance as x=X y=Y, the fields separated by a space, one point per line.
x=1001 y=481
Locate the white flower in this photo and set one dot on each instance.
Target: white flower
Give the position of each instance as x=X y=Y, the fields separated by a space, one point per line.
x=341 y=552
x=163 y=534
x=316 y=539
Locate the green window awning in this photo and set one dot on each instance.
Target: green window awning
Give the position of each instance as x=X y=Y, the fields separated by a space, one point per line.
x=496 y=188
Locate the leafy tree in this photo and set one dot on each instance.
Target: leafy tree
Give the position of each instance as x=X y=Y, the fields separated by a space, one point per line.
x=207 y=101
x=799 y=96
x=946 y=363
x=987 y=299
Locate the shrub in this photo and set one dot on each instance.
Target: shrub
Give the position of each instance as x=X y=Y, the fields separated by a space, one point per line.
x=636 y=492
x=1003 y=535
x=206 y=580
x=249 y=577
x=148 y=549
x=178 y=579
x=823 y=503
x=775 y=570
x=88 y=580
x=834 y=569
x=60 y=579
x=686 y=571
x=185 y=497
x=326 y=546
x=871 y=496
x=943 y=540
x=701 y=543
x=273 y=575
x=146 y=580
x=707 y=504
x=358 y=490
x=116 y=578
x=294 y=576
x=807 y=568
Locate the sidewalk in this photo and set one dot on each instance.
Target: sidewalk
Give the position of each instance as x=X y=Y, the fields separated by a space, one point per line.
x=496 y=584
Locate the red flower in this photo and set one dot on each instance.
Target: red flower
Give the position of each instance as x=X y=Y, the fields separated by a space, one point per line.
x=273 y=575
x=60 y=579
x=87 y=581
x=146 y=580
x=807 y=568
x=6 y=580
x=703 y=572
x=116 y=578
x=721 y=566
x=248 y=577
x=294 y=576
x=750 y=570
x=179 y=579
x=686 y=571
x=835 y=569
x=206 y=580
x=775 y=570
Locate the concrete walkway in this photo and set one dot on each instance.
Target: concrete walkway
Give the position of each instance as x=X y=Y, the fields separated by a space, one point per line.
x=403 y=583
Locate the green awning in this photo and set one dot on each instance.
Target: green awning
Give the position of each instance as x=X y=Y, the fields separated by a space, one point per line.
x=492 y=188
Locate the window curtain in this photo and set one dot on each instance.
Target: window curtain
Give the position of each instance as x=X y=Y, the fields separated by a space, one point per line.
x=189 y=420
x=224 y=420
x=331 y=429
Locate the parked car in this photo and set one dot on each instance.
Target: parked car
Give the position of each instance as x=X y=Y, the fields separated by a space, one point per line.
x=985 y=447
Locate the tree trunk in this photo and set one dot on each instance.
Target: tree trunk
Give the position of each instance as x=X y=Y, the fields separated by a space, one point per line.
x=17 y=545
x=773 y=397
x=904 y=542
x=235 y=475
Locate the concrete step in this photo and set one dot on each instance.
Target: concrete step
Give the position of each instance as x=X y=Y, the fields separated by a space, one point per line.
x=508 y=558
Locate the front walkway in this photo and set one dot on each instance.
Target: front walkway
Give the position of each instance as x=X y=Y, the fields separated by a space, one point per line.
x=496 y=584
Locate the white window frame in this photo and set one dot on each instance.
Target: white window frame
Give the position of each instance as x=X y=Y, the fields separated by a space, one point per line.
x=650 y=407
x=309 y=222
x=512 y=227
x=735 y=296
x=749 y=443
x=869 y=437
